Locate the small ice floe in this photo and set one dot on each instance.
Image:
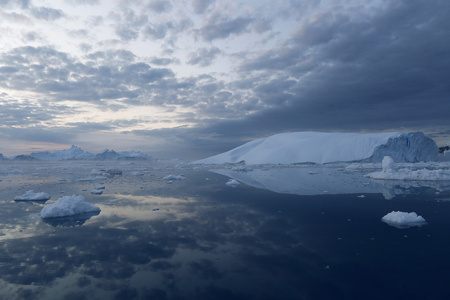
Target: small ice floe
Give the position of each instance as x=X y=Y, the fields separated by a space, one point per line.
x=403 y=219
x=32 y=196
x=68 y=206
x=108 y=173
x=390 y=173
x=137 y=173
x=92 y=179
x=113 y=172
x=417 y=175
x=233 y=183
x=241 y=169
x=97 y=192
x=173 y=177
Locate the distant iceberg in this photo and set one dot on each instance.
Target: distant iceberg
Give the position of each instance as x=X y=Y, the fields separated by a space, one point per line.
x=322 y=147
x=32 y=196
x=76 y=153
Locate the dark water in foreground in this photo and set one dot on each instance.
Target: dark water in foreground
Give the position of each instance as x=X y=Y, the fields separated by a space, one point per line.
x=200 y=239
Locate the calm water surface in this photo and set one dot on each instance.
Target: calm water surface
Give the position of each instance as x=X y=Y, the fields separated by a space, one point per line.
x=198 y=238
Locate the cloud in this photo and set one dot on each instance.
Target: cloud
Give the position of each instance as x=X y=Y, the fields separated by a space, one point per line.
x=38 y=134
x=83 y=2
x=46 y=13
x=204 y=57
x=126 y=33
x=109 y=75
x=161 y=30
x=376 y=71
x=160 y=61
x=160 y=6
x=14 y=3
x=220 y=27
x=129 y=24
x=14 y=17
x=200 y=6
x=156 y=32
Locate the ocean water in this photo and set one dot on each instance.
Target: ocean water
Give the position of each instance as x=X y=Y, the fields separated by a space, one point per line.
x=198 y=238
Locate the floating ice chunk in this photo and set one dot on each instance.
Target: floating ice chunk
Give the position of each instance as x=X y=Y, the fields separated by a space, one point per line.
x=114 y=172
x=232 y=183
x=91 y=179
x=173 y=177
x=388 y=164
x=403 y=219
x=96 y=172
x=68 y=206
x=31 y=196
x=242 y=169
x=407 y=174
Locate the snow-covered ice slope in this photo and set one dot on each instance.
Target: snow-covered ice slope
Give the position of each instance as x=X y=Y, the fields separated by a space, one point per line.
x=323 y=147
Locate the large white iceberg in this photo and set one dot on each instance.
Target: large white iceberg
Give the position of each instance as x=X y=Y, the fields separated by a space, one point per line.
x=323 y=147
x=403 y=219
x=68 y=206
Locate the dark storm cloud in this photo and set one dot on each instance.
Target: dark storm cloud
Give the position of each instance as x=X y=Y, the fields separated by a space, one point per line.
x=383 y=69
x=204 y=57
x=38 y=134
x=219 y=27
x=46 y=13
x=380 y=70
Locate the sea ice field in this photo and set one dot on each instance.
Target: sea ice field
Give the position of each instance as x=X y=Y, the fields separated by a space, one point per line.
x=176 y=230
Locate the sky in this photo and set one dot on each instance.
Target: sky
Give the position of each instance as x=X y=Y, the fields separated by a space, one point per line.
x=193 y=78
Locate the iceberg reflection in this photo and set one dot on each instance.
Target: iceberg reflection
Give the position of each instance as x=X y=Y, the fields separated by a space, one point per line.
x=70 y=221
x=325 y=180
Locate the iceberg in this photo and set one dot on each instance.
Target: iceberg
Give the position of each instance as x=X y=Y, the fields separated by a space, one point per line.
x=173 y=177
x=403 y=219
x=68 y=206
x=388 y=164
x=408 y=174
x=325 y=147
x=76 y=153
x=232 y=183
x=32 y=196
